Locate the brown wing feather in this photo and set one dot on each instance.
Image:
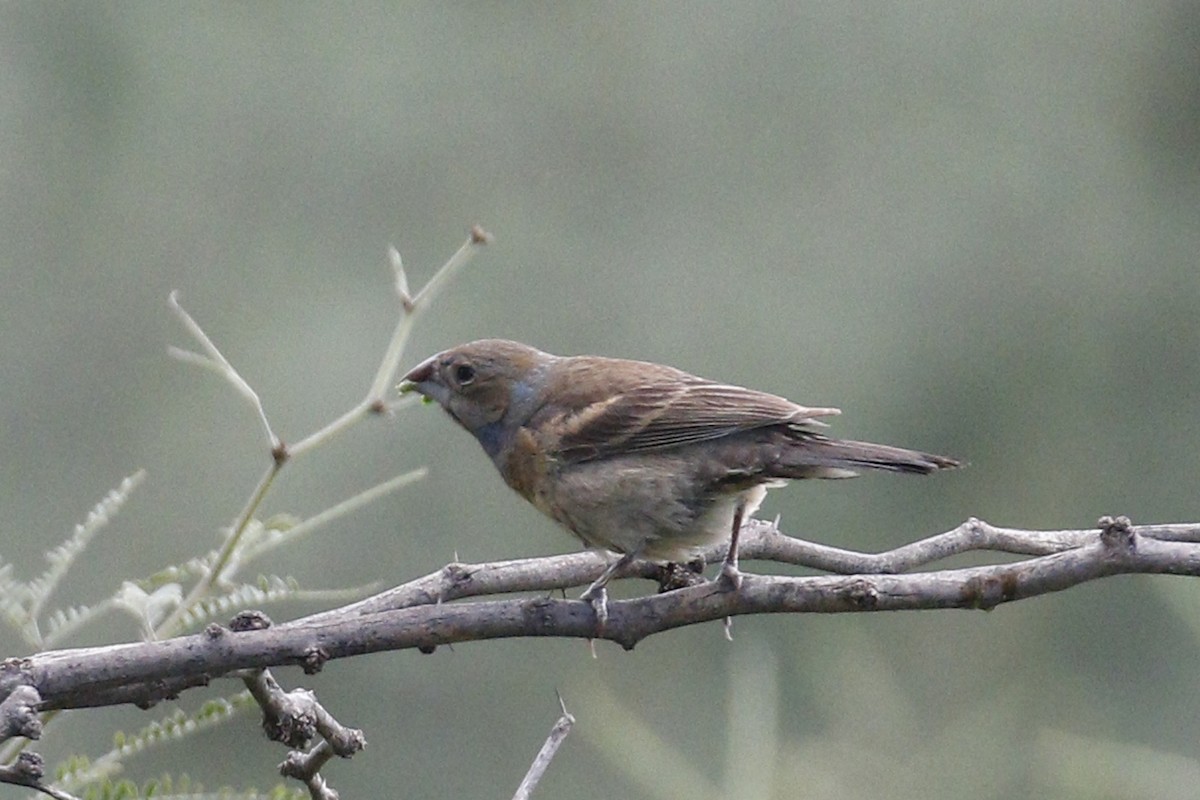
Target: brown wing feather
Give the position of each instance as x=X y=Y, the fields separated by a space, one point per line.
x=652 y=407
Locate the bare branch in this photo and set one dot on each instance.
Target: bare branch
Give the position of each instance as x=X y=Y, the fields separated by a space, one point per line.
x=294 y=718
x=305 y=767
x=419 y=614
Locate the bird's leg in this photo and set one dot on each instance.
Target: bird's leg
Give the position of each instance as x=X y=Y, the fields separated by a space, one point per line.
x=597 y=595
x=731 y=576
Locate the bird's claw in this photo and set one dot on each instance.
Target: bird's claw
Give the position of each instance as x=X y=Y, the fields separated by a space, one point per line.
x=730 y=577
x=597 y=597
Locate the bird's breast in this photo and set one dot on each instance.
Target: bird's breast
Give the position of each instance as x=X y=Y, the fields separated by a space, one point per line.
x=525 y=468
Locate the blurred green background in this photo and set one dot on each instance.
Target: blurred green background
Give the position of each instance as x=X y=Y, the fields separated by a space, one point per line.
x=971 y=226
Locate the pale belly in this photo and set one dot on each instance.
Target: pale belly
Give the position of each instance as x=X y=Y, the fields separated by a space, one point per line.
x=650 y=506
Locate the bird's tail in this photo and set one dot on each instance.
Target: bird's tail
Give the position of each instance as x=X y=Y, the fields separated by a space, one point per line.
x=821 y=457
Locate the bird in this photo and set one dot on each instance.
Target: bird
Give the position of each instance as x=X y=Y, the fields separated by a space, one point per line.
x=639 y=458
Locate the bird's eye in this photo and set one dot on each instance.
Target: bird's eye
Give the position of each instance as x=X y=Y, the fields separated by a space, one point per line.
x=464 y=374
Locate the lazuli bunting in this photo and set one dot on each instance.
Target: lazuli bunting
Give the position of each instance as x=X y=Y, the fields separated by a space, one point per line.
x=639 y=458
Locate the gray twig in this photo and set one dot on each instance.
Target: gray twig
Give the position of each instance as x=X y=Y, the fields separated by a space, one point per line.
x=542 y=760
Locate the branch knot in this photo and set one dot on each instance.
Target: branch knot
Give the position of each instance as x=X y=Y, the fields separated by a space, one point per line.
x=18 y=714
x=314 y=660
x=1117 y=534
x=861 y=594
x=249 y=620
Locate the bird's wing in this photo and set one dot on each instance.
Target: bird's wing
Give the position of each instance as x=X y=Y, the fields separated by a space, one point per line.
x=665 y=408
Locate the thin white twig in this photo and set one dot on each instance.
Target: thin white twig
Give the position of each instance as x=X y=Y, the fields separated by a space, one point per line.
x=401 y=277
x=224 y=554
x=335 y=511
x=413 y=307
x=541 y=761
x=344 y=422
x=214 y=360
x=373 y=403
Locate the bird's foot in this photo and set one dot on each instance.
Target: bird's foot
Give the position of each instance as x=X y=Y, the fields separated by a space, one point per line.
x=730 y=577
x=596 y=594
x=597 y=597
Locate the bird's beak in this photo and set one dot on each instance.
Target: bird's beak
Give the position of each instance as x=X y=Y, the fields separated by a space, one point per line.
x=418 y=378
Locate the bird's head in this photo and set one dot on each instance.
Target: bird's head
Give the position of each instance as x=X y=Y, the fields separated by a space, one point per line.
x=483 y=385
